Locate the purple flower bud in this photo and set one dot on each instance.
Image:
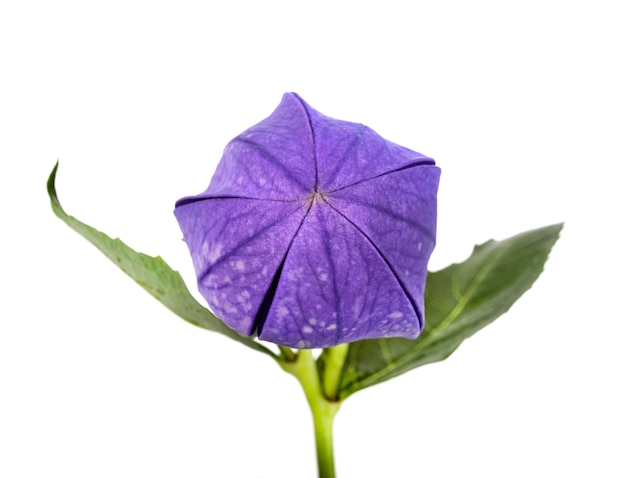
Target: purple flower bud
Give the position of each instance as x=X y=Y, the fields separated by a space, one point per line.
x=314 y=231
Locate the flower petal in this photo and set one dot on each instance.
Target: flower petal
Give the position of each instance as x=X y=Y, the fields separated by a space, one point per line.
x=237 y=245
x=348 y=153
x=274 y=159
x=397 y=212
x=335 y=287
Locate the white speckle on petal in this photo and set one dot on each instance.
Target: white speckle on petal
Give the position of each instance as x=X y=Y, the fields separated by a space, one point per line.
x=213 y=252
x=396 y=315
x=228 y=307
x=240 y=180
x=323 y=277
x=312 y=321
x=303 y=344
x=357 y=307
x=262 y=181
x=239 y=265
x=282 y=311
x=331 y=327
x=246 y=322
x=419 y=246
x=307 y=329
x=243 y=300
x=295 y=274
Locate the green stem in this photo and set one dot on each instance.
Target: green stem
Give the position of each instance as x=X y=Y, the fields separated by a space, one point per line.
x=334 y=358
x=286 y=353
x=323 y=409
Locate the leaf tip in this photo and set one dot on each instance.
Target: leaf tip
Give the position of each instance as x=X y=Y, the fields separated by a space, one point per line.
x=52 y=193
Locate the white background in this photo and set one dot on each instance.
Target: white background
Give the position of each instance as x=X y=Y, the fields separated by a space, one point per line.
x=522 y=105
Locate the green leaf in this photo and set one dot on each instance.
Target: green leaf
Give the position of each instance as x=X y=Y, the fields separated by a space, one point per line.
x=151 y=273
x=460 y=300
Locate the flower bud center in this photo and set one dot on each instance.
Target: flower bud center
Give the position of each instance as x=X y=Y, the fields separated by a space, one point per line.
x=318 y=196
